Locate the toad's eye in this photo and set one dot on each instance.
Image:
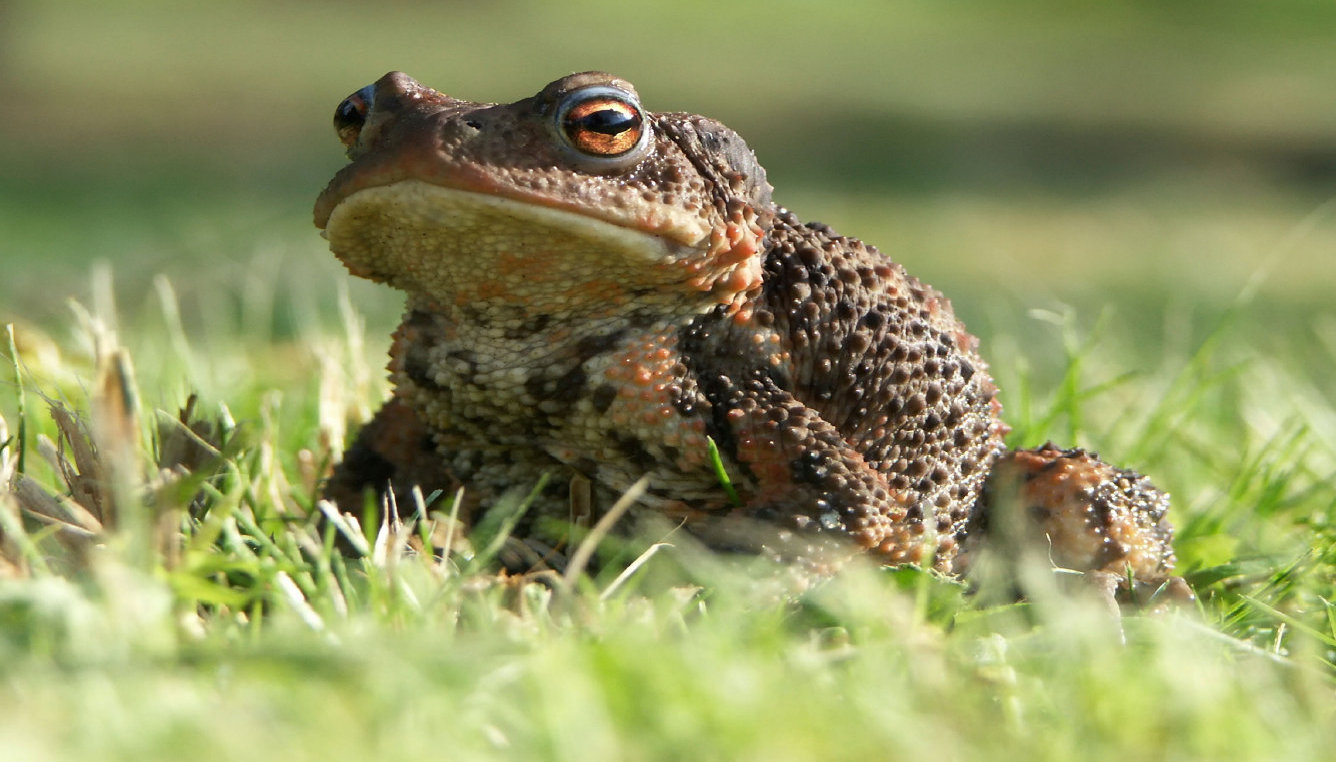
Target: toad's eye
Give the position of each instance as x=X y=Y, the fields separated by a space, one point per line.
x=603 y=126
x=351 y=115
x=604 y=123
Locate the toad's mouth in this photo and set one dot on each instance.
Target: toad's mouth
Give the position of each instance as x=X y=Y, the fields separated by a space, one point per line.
x=458 y=246
x=635 y=213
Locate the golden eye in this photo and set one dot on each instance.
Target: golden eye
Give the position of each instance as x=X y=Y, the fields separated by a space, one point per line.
x=603 y=126
x=603 y=123
x=351 y=115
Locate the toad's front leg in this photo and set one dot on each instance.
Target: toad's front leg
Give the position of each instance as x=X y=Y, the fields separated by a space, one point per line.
x=394 y=452
x=810 y=494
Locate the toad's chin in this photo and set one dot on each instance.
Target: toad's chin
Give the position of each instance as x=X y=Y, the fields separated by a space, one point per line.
x=461 y=247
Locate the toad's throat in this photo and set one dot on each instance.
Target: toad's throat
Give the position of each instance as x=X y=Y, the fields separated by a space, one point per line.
x=458 y=247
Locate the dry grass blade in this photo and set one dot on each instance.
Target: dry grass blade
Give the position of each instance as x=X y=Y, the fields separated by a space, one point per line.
x=115 y=417
x=85 y=477
x=22 y=404
x=61 y=514
x=632 y=568
x=11 y=556
x=116 y=405
x=580 y=559
x=346 y=525
x=391 y=532
x=293 y=594
x=451 y=530
x=44 y=506
x=186 y=442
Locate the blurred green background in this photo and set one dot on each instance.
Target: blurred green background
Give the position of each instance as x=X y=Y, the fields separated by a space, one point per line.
x=1148 y=155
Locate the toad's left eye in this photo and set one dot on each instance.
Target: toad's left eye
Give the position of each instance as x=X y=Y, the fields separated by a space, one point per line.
x=350 y=116
x=603 y=123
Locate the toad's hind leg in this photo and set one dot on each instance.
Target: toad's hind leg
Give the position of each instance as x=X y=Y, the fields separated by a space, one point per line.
x=1087 y=515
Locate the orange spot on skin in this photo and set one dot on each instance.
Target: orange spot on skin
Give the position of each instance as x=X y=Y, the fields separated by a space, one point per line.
x=758 y=448
x=511 y=265
x=729 y=266
x=743 y=242
x=489 y=289
x=739 y=281
x=610 y=293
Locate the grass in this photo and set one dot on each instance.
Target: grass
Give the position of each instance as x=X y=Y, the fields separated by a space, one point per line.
x=201 y=608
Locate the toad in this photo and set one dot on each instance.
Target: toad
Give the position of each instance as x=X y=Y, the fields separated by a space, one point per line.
x=600 y=293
